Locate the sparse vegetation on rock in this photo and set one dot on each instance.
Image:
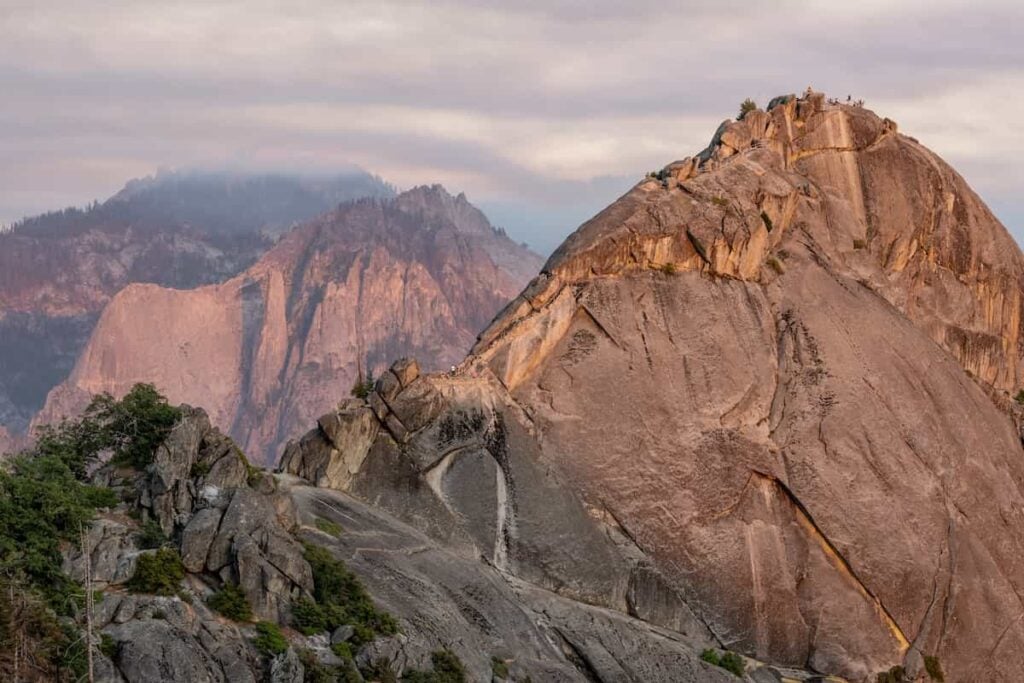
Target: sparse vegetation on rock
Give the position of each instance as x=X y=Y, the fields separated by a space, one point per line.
x=730 y=661
x=362 y=388
x=934 y=668
x=158 y=573
x=231 y=602
x=447 y=668
x=269 y=639
x=748 y=105
x=339 y=599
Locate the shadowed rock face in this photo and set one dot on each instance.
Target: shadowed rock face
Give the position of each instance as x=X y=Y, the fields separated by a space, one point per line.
x=269 y=350
x=58 y=270
x=760 y=399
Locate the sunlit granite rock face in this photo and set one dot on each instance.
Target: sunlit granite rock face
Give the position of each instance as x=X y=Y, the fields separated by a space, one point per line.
x=271 y=349
x=760 y=399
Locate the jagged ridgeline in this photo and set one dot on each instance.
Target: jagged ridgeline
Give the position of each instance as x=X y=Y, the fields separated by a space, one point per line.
x=753 y=420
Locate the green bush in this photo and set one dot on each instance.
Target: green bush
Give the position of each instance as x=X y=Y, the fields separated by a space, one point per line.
x=447 y=668
x=339 y=599
x=669 y=269
x=308 y=617
x=894 y=675
x=733 y=663
x=380 y=670
x=775 y=265
x=1019 y=398
x=748 y=105
x=269 y=640
x=934 y=669
x=231 y=602
x=730 y=661
x=328 y=527
x=45 y=503
x=158 y=573
x=151 y=536
x=859 y=244
x=362 y=389
x=343 y=650
x=199 y=469
x=317 y=672
x=108 y=646
x=499 y=667
x=42 y=505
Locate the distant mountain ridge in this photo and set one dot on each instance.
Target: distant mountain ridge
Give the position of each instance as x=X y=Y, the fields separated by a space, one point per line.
x=176 y=229
x=271 y=349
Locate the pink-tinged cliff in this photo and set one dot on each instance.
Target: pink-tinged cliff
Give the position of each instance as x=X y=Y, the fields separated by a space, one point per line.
x=271 y=349
x=763 y=398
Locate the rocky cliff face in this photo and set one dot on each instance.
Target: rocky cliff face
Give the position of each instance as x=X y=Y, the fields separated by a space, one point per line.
x=271 y=349
x=59 y=270
x=232 y=525
x=761 y=400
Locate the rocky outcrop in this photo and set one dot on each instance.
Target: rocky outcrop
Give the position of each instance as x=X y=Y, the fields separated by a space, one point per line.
x=181 y=230
x=760 y=399
x=268 y=351
x=248 y=528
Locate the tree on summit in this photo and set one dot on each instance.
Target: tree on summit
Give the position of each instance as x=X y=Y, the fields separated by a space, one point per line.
x=748 y=105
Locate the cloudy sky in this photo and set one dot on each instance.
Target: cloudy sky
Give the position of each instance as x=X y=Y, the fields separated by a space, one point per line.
x=541 y=111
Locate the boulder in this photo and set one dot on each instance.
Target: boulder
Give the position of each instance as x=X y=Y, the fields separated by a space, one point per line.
x=197 y=537
x=286 y=668
x=152 y=650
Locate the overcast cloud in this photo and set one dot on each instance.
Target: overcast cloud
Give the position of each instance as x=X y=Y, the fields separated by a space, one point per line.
x=541 y=111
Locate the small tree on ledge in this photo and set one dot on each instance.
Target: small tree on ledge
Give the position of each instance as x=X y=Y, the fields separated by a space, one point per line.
x=748 y=105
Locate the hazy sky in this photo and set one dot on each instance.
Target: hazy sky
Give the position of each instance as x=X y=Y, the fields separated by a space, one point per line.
x=541 y=111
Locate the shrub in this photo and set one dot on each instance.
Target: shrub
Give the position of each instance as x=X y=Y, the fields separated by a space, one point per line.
x=380 y=670
x=720 y=201
x=108 y=646
x=859 y=244
x=269 y=640
x=231 y=602
x=748 y=105
x=894 y=675
x=447 y=668
x=767 y=220
x=343 y=650
x=308 y=617
x=733 y=663
x=341 y=599
x=499 y=667
x=151 y=536
x=1019 y=398
x=362 y=389
x=730 y=661
x=159 y=614
x=328 y=527
x=774 y=264
x=668 y=269
x=317 y=672
x=42 y=505
x=199 y=469
x=158 y=573
x=934 y=669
